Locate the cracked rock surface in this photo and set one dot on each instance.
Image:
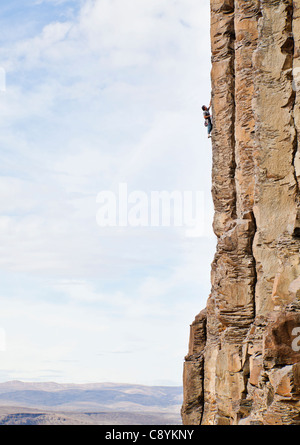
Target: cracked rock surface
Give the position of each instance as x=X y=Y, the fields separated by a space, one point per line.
x=243 y=364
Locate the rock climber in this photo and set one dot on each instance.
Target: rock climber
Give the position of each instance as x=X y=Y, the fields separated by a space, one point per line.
x=207 y=119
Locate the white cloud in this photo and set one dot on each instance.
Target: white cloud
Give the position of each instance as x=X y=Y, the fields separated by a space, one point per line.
x=83 y=291
x=109 y=96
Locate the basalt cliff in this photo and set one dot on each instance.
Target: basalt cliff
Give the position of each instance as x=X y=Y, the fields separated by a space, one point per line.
x=243 y=363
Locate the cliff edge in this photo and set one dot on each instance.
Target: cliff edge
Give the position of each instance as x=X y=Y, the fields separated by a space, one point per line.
x=243 y=363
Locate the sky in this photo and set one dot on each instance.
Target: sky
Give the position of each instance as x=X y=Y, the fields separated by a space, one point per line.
x=94 y=94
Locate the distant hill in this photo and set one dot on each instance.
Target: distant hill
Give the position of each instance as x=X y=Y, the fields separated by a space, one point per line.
x=96 y=403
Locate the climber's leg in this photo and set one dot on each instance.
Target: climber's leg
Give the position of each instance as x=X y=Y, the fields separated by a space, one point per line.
x=209 y=129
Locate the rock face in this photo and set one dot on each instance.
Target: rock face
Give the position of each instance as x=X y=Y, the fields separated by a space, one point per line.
x=243 y=365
